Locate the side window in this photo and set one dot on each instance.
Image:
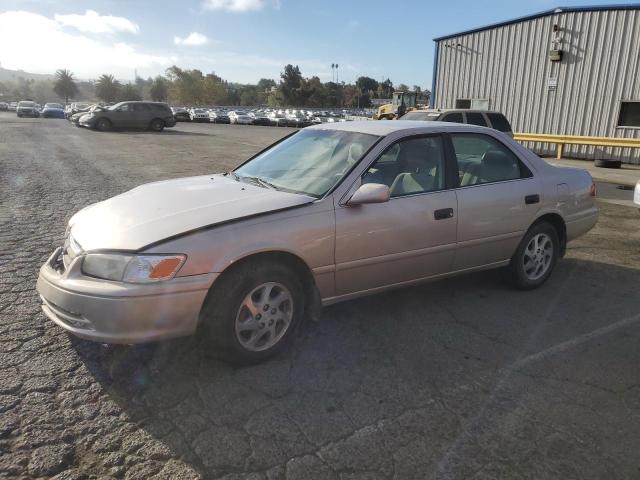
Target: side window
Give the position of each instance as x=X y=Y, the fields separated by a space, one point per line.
x=124 y=108
x=499 y=122
x=140 y=107
x=476 y=118
x=455 y=117
x=482 y=159
x=415 y=165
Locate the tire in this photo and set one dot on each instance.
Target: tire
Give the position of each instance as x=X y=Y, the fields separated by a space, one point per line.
x=533 y=263
x=157 y=125
x=607 y=163
x=229 y=328
x=103 y=125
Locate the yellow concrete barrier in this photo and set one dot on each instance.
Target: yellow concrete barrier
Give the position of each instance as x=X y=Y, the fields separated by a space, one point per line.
x=561 y=140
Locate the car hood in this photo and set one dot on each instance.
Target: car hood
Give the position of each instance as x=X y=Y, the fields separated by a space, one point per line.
x=157 y=211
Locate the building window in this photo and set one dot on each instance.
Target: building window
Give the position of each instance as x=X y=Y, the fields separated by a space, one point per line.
x=629 y=114
x=463 y=103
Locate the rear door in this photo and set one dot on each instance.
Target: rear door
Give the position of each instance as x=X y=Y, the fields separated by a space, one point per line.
x=498 y=199
x=141 y=117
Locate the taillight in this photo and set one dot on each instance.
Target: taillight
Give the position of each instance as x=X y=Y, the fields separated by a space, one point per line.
x=593 y=191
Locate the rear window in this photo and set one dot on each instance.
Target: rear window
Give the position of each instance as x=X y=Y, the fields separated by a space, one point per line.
x=161 y=108
x=499 y=122
x=425 y=116
x=476 y=118
x=453 y=117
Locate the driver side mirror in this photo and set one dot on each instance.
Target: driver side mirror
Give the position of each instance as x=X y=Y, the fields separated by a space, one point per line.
x=370 y=193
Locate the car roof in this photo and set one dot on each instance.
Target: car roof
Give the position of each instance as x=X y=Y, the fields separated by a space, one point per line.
x=385 y=127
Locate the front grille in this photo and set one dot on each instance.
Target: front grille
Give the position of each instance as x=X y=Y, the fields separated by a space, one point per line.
x=70 y=250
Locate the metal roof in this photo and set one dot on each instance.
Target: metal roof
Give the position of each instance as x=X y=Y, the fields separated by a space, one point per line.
x=593 y=8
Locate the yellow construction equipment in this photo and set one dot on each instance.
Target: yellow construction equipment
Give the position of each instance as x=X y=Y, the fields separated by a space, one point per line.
x=401 y=103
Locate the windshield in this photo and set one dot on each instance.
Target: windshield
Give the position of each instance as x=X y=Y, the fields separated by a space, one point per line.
x=309 y=162
x=53 y=105
x=26 y=104
x=425 y=116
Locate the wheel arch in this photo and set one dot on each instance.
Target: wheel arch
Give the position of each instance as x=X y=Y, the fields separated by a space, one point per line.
x=559 y=224
x=313 y=303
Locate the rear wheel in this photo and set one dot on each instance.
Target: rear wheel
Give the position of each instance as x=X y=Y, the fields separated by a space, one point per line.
x=535 y=257
x=253 y=313
x=157 y=125
x=103 y=124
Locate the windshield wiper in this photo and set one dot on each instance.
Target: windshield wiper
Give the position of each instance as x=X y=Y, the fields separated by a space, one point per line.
x=259 y=181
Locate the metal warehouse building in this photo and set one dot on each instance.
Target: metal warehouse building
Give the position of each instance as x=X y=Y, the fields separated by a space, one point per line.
x=568 y=71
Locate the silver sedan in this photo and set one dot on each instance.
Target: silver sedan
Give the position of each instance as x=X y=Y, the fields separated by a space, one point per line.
x=330 y=213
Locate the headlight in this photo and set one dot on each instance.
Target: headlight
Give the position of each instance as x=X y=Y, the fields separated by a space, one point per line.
x=132 y=268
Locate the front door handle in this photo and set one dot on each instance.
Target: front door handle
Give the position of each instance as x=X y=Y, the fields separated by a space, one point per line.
x=443 y=213
x=530 y=199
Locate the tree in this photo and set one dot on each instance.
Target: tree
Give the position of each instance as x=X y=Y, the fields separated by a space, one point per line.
x=366 y=84
x=65 y=85
x=128 y=93
x=403 y=88
x=290 y=84
x=159 y=90
x=43 y=91
x=107 y=88
x=387 y=88
x=265 y=85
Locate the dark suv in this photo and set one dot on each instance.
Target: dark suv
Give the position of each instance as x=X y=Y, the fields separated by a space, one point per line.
x=495 y=120
x=147 y=115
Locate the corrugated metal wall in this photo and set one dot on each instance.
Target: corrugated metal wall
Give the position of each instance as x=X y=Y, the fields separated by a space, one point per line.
x=510 y=66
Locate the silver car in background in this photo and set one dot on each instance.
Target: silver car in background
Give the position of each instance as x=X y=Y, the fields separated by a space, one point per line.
x=329 y=213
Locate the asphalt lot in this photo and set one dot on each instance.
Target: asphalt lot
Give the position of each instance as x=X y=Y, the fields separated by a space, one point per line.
x=464 y=378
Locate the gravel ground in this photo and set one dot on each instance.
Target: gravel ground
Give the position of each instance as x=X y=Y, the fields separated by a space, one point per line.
x=464 y=378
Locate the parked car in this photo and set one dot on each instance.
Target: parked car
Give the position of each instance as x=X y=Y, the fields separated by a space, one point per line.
x=4 y=106
x=199 y=115
x=13 y=106
x=147 y=115
x=76 y=107
x=27 y=108
x=181 y=114
x=75 y=118
x=332 y=212
x=219 y=117
x=277 y=119
x=52 y=110
x=636 y=195
x=260 y=118
x=495 y=120
x=240 y=118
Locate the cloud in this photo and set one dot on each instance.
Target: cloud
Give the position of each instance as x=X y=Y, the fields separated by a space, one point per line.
x=193 y=39
x=93 y=22
x=238 y=5
x=48 y=47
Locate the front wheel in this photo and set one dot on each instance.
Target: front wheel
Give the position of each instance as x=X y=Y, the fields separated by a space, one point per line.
x=103 y=125
x=157 y=125
x=253 y=313
x=535 y=257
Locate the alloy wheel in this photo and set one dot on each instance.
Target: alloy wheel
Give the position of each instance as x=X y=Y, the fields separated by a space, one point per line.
x=537 y=256
x=264 y=316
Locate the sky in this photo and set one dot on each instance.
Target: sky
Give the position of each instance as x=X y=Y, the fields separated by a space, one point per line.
x=243 y=40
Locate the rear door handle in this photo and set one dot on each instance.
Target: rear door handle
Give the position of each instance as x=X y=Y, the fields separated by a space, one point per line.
x=443 y=213
x=530 y=199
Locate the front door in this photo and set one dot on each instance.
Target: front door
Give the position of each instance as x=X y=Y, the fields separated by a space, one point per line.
x=413 y=235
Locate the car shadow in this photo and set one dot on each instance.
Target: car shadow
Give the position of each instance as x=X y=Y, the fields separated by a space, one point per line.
x=435 y=366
